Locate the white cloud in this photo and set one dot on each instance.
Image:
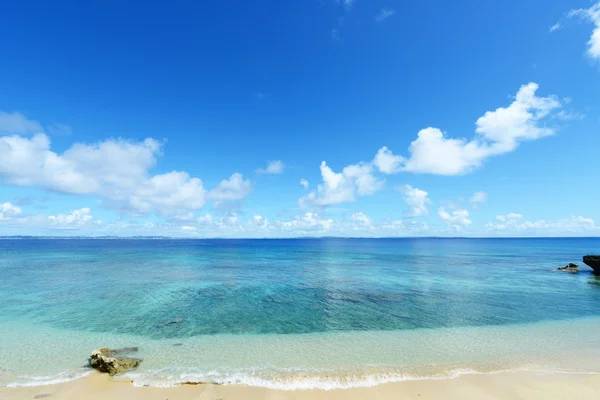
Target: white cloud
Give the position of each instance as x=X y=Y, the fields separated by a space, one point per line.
x=189 y=229
x=458 y=219
x=206 y=219
x=234 y=188
x=478 y=198
x=17 y=124
x=8 y=210
x=511 y=225
x=507 y=221
x=308 y=223
x=395 y=225
x=75 y=219
x=259 y=221
x=384 y=14
x=555 y=27
x=274 y=167
x=168 y=193
x=498 y=132
x=361 y=221
x=115 y=169
x=592 y=15
x=387 y=162
x=417 y=201
x=109 y=166
x=355 y=179
x=513 y=216
x=230 y=220
x=304 y=183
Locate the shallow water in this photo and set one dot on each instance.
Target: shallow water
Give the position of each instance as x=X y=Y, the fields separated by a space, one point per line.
x=294 y=313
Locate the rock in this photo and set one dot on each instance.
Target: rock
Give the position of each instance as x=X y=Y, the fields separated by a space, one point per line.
x=593 y=262
x=569 y=267
x=103 y=360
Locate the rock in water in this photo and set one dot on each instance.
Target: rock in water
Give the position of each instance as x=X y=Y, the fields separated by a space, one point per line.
x=569 y=267
x=593 y=262
x=103 y=361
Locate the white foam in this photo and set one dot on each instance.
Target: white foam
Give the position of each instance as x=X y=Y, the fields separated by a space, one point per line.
x=65 y=376
x=309 y=380
x=286 y=381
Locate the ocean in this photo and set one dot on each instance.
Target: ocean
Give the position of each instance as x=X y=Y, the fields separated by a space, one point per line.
x=297 y=313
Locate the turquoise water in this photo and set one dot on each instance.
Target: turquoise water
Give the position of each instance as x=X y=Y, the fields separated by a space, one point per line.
x=295 y=313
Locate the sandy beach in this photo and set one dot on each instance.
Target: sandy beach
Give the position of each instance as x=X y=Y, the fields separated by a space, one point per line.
x=505 y=385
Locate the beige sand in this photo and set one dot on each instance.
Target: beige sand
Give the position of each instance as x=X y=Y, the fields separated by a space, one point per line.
x=506 y=385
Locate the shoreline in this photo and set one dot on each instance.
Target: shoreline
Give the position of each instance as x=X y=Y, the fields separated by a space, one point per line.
x=473 y=351
x=501 y=385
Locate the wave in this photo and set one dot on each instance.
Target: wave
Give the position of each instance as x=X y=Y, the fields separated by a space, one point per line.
x=284 y=379
x=290 y=380
x=42 y=380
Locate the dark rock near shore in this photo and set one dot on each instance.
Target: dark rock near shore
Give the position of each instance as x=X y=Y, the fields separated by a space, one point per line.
x=593 y=262
x=103 y=360
x=569 y=268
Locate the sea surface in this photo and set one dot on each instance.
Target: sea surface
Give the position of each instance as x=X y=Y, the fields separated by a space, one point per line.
x=297 y=313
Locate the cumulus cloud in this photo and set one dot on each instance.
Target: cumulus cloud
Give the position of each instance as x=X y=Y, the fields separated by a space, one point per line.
x=304 y=183
x=109 y=166
x=497 y=132
x=274 y=167
x=394 y=226
x=339 y=187
x=592 y=15
x=75 y=219
x=309 y=222
x=387 y=162
x=170 y=193
x=115 y=169
x=234 y=188
x=457 y=220
x=8 y=211
x=417 y=201
x=384 y=14
x=17 y=124
x=361 y=221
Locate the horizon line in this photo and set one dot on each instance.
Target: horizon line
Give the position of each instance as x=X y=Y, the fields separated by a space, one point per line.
x=288 y=237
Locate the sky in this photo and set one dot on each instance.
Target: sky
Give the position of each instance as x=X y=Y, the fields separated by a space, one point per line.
x=374 y=118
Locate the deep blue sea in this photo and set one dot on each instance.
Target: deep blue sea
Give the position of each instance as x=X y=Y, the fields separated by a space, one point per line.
x=294 y=313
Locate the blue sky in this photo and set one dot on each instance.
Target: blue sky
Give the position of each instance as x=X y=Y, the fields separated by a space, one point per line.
x=320 y=117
